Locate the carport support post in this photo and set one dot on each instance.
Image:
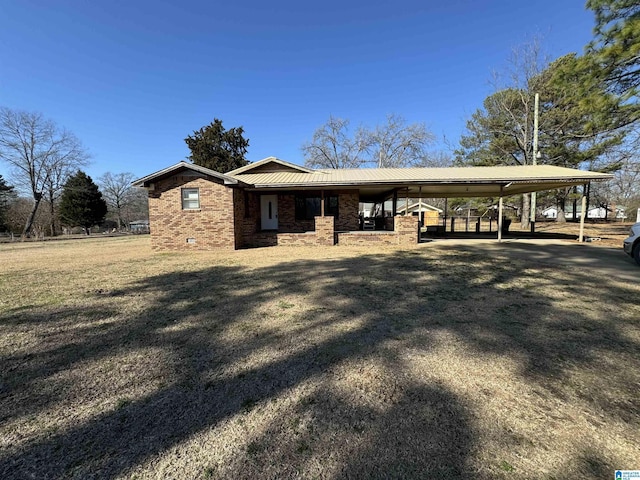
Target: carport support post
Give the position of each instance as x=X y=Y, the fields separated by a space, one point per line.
x=420 y=214
x=500 y=216
x=321 y=203
x=583 y=214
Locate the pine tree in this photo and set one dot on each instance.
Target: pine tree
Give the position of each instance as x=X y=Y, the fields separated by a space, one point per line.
x=6 y=193
x=616 y=45
x=218 y=149
x=82 y=203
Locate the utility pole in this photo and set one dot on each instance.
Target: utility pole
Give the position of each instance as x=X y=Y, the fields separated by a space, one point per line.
x=535 y=159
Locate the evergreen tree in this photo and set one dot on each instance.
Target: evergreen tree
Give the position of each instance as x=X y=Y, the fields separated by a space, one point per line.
x=6 y=193
x=580 y=123
x=82 y=203
x=616 y=46
x=218 y=149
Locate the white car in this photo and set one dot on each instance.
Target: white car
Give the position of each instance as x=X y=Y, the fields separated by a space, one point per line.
x=631 y=244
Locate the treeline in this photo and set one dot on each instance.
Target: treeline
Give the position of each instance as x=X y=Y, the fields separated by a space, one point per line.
x=48 y=191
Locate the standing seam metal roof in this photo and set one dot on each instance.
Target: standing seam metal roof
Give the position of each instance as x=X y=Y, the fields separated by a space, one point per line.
x=527 y=173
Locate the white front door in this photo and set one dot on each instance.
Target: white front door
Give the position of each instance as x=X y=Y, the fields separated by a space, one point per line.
x=269 y=212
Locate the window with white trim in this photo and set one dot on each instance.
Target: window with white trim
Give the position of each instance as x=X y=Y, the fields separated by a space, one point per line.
x=190 y=198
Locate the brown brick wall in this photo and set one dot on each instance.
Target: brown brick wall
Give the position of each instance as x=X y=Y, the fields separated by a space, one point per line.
x=367 y=238
x=287 y=223
x=347 y=215
x=323 y=235
x=406 y=227
x=405 y=233
x=250 y=222
x=230 y=218
x=238 y=217
x=348 y=204
x=211 y=226
x=297 y=238
x=287 y=216
x=325 y=227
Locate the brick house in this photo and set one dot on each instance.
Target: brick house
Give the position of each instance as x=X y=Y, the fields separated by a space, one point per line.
x=273 y=202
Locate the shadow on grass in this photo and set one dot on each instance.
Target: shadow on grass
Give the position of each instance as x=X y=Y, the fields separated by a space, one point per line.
x=425 y=430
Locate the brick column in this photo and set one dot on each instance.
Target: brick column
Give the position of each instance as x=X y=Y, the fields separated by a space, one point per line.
x=325 y=227
x=406 y=227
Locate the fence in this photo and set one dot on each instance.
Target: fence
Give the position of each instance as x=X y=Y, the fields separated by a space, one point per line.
x=466 y=224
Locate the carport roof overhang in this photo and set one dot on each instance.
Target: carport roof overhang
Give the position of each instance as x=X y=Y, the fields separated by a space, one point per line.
x=429 y=182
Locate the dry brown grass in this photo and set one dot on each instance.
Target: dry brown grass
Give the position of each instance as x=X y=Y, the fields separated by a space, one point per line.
x=442 y=360
x=604 y=234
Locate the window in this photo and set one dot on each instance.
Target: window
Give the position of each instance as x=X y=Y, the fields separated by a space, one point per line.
x=331 y=206
x=309 y=207
x=190 y=198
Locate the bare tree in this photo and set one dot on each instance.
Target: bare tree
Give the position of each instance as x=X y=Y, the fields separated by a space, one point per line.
x=40 y=154
x=393 y=144
x=19 y=210
x=436 y=159
x=624 y=188
x=396 y=144
x=138 y=208
x=332 y=146
x=118 y=193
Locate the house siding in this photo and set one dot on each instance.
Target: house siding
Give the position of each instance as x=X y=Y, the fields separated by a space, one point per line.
x=229 y=218
x=212 y=226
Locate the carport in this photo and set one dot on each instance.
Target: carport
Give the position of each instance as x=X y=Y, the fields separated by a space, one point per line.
x=496 y=182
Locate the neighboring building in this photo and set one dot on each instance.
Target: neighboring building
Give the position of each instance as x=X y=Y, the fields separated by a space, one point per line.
x=551 y=213
x=139 y=226
x=428 y=214
x=273 y=202
x=595 y=213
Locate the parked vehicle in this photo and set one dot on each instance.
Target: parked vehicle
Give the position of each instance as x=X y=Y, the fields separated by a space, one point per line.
x=631 y=244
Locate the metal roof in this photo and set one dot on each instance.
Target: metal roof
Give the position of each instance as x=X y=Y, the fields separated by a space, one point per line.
x=444 y=182
x=373 y=182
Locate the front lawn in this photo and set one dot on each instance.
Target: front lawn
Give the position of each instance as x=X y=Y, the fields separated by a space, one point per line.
x=437 y=361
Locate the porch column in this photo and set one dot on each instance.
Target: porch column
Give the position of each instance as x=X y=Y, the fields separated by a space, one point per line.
x=500 y=216
x=394 y=205
x=322 y=203
x=406 y=204
x=583 y=213
x=446 y=209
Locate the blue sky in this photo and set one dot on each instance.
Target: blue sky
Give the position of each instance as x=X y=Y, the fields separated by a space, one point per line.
x=133 y=78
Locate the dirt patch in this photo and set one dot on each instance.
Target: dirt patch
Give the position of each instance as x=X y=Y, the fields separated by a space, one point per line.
x=437 y=361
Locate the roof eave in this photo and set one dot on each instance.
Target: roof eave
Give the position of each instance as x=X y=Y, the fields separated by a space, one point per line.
x=251 y=166
x=227 y=180
x=571 y=181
